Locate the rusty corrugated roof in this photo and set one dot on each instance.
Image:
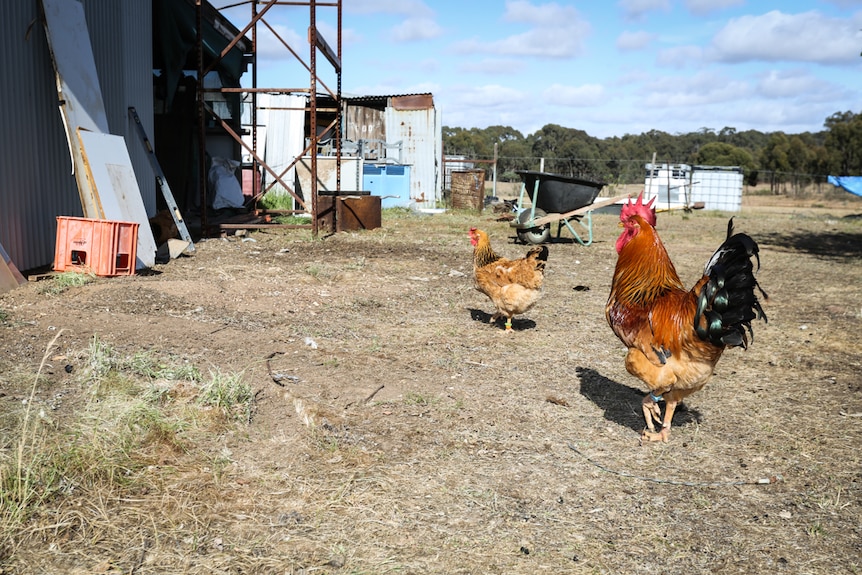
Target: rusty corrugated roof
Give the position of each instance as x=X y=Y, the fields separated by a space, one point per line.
x=419 y=101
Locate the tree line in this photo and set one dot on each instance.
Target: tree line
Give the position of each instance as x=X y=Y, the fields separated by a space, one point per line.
x=780 y=160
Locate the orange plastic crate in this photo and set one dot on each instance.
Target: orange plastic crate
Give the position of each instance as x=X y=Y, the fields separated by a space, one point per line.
x=103 y=247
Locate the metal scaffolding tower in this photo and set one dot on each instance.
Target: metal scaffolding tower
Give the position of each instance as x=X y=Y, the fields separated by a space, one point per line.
x=261 y=13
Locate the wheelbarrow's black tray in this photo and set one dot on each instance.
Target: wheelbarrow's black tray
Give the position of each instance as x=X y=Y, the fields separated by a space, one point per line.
x=557 y=193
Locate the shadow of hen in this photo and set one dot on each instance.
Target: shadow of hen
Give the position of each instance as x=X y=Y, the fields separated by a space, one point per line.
x=517 y=324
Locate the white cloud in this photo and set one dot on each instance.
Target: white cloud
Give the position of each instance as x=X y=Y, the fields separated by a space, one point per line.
x=414 y=29
x=349 y=36
x=554 y=15
x=628 y=41
x=491 y=96
x=775 y=36
x=487 y=97
x=484 y=106
x=413 y=8
x=557 y=32
x=680 y=56
x=765 y=116
x=575 y=96
x=798 y=85
x=637 y=9
x=557 y=44
x=845 y=3
x=702 y=7
x=784 y=84
x=697 y=90
x=271 y=48
x=492 y=66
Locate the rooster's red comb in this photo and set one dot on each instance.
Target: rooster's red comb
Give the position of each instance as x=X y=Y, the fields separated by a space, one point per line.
x=644 y=210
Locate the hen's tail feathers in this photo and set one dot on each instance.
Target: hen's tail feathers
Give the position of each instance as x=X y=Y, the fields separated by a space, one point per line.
x=539 y=252
x=728 y=301
x=540 y=255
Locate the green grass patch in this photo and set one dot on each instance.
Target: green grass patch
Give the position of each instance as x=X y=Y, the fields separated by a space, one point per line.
x=131 y=411
x=229 y=394
x=65 y=280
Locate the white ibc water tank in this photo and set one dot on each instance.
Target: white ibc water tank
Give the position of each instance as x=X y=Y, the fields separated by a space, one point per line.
x=718 y=187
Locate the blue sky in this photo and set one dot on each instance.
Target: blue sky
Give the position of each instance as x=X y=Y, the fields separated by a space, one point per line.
x=608 y=68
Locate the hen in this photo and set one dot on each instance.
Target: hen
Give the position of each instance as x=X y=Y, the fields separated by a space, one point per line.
x=675 y=336
x=514 y=286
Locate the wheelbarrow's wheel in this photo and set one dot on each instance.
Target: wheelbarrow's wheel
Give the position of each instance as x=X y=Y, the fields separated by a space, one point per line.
x=536 y=235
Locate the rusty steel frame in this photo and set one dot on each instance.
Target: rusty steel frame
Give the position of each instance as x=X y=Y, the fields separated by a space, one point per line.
x=315 y=43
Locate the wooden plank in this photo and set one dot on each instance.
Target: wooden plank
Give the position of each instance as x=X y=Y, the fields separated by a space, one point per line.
x=112 y=179
x=69 y=41
x=594 y=206
x=327 y=50
x=78 y=89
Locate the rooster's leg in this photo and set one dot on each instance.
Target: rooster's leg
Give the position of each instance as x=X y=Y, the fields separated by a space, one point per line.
x=508 y=324
x=664 y=434
x=652 y=412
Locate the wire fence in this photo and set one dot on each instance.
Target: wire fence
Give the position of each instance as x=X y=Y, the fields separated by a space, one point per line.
x=623 y=172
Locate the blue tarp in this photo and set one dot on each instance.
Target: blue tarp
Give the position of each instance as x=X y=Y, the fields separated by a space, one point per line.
x=852 y=184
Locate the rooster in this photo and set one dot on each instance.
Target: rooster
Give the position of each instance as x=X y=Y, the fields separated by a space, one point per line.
x=675 y=336
x=514 y=286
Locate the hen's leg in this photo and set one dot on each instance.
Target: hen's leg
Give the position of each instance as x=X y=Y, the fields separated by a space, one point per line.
x=664 y=434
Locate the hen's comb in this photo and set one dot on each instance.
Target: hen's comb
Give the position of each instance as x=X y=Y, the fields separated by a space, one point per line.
x=644 y=210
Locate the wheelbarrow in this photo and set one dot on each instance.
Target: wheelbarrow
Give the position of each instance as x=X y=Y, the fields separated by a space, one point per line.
x=560 y=199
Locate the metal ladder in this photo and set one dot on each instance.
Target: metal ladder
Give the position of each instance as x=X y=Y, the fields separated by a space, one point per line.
x=162 y=181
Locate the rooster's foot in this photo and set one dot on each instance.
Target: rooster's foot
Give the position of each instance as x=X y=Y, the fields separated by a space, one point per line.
x=652 y=412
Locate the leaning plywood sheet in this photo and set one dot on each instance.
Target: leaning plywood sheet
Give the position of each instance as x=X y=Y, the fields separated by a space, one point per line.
x=112 y=179
x=10 y=277
x=78 y=89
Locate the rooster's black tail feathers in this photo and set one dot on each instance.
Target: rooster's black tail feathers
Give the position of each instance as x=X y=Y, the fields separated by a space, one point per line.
x=728 y=302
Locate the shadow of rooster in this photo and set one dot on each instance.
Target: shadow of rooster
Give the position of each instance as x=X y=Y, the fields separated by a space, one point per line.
x=622 y=403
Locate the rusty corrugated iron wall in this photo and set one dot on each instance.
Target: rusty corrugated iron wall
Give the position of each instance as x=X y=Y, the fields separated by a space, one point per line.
x=364 y=123
x=36 y=182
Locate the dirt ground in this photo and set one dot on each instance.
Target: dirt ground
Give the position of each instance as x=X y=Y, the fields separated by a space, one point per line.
x=406 y=435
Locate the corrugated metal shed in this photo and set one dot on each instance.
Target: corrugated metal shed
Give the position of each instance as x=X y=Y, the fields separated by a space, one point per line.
x=36 y=182
x=125 y=74
x=416 y=123
x=412 y=130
